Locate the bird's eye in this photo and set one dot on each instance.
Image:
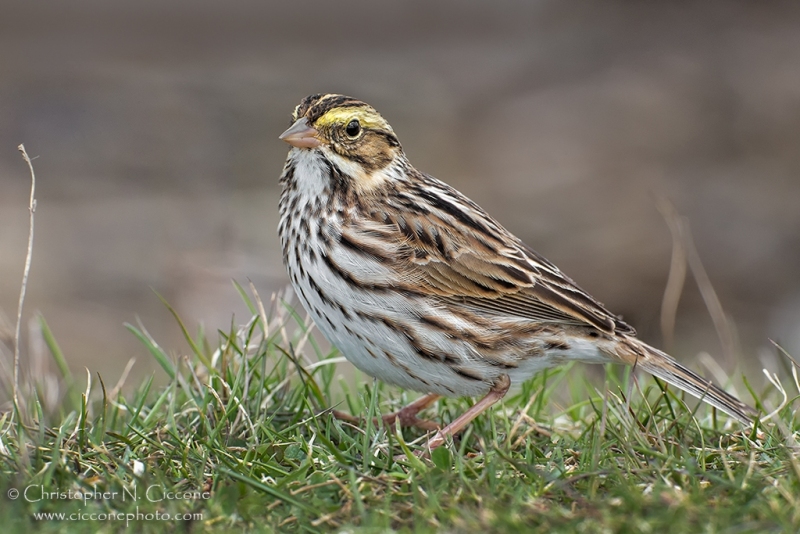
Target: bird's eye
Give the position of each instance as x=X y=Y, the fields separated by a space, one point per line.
x=353 y=128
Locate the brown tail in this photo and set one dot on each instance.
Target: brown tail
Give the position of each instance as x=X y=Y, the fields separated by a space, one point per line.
x=670 y=371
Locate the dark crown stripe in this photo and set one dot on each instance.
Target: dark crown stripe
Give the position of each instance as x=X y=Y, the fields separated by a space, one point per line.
x=329 y=102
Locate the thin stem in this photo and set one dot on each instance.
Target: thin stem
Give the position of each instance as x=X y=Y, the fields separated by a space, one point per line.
x=25 y=273
x=677 y=273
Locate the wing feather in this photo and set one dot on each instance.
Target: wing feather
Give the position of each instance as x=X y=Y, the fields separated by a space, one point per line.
x=460 y=255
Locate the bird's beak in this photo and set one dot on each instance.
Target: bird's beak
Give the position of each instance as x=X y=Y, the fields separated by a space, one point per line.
x=301 y=135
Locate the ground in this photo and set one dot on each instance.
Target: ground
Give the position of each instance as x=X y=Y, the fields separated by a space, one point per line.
x=241 y=437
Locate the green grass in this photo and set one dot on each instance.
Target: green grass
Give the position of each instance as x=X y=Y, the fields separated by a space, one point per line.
x=243 y=429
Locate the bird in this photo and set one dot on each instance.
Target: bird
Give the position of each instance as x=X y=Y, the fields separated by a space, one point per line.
x=420 y=287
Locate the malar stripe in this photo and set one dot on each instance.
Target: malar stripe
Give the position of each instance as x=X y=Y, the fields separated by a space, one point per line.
x=367 y=164
x=287 y=178
x=336 y=173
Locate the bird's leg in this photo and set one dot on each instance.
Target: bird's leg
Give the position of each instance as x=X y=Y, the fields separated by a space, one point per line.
x=498 y=391
x=346 y=417
x=406 y=416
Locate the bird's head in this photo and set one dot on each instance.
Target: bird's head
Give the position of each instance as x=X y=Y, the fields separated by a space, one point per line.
x=346 y=131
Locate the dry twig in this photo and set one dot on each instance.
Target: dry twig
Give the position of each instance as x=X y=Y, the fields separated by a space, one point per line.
x=25 y=273
x=677 y=273
x=685 y=252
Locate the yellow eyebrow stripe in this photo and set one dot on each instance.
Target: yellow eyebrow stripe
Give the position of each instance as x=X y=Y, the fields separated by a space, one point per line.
x=367 y=118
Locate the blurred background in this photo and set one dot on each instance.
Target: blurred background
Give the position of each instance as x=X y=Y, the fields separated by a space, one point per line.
x=155 y=125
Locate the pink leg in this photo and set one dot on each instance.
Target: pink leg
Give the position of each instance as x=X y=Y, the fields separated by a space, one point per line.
x=498 y=391
x=406 y=416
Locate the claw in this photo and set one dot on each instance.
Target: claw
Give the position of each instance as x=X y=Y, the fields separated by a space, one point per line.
x=406 y=416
